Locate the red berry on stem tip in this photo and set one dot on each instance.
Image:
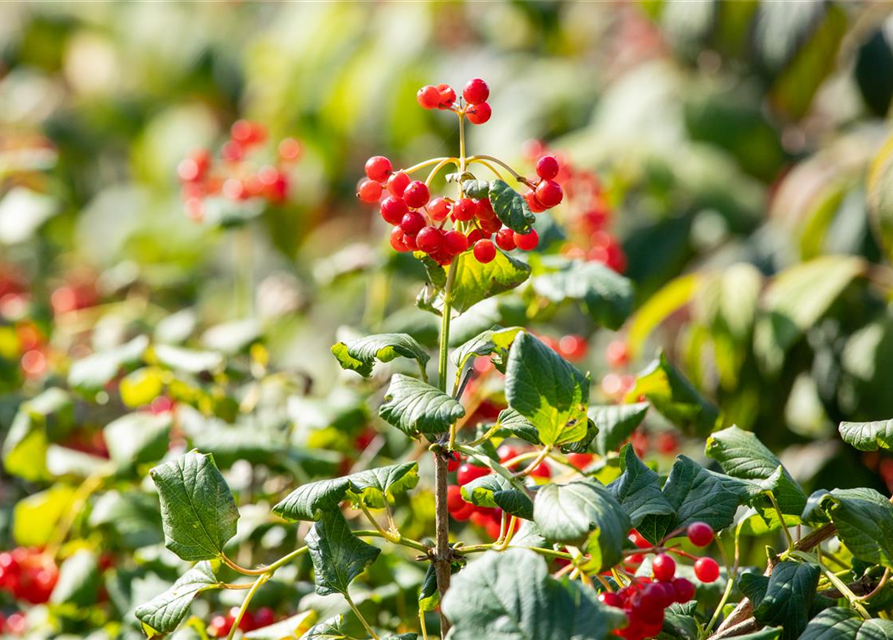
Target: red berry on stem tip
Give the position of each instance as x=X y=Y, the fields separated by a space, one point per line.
x=532 y=203
x=439 y=209
x=393 y=209
x=580 y=460
x=455 y=242
x=505 y=239
x=398 y=240
x=484 y=251
x=547 y=167
x=416 y=194
x=412 y=223
x=491 y=225
x=397 y=184
x=664 y=567
x=429 y=239
x=464 y=209
x=549 y=193
x=454 y=462
x=617 y=354
x=447 y=96
x=611 y=599
x=369 y=191
x=476 y=91
x=454 y=498
x=475 y=235
x=572 y=347
x=527 y=241
x=700 y=534
x=706 y=570
x=684 y=590
x=378 y=168
x=479 y=113
x=468 y=472
x=428 y=97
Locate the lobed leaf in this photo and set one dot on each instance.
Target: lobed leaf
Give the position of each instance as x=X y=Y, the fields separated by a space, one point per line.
x=416 y=408
x=788 y=597
x=338 y=556
x=360 y=355
x=638 y=489
x=615 y=423
x=868 y=436
x=164 y=613
x=494 y=491
x=838 y=623
x=864 y=520
x=510 y=207
x=475 y=281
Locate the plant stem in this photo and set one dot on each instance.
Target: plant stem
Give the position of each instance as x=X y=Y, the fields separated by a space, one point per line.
x=502 y=164
x=428 y=163
x=837 y=582
x=257 y=585
x=787 y=534
x=359 y=615
x=403 y=541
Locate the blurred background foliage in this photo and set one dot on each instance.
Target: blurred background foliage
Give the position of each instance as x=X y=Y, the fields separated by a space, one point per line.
x=741 y=146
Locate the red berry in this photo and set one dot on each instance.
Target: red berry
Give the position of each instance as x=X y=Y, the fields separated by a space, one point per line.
x=464 y=513
x=232 y=151
x=506 y=452
x=700 y=534
x=369 y=191
x=476 y=91
x=393 y=209
x=264 y=617
x=409 y=242
x=706 y=569
x=663 y=567
x=397 y=184
x=493 y=529
x=542 y=470
x=684 y=590
x=447 y=96
x=549 y=193
x=547 y=167
x=617 y=354
x=378 y=168
x=464 y=209
x=468 y=472
x=484 y=251
x=17 y=623
x=580 y=460
x=429 y=239
x=416 y=194
x=247 y=132
x=439 y=209
x=455 y=242
x=479 y=113
x=532 y=203
x=220 y=626
x=247 y=622
x=667 y=442
x=505 y=239
x=454 y=462
x=289 y=149
x=610 y=599
x=428 y=97
x=412 y=223
x=491 y=225
x=455 y=502
x=475 y=235
x=527 y=241
x=639 y=540
x=484 y=210
x=572 y=347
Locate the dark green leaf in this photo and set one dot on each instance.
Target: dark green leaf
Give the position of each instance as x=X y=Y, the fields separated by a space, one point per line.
x=864 y=520
x=511 y=596
x=329 y=629
x=583 y=511
x=615 y=423
x=547 y=390
x=416 y=408
x=376 y=487
x=476 y=188
x=868 y=436
x=495 y=491
x=360 y=355
x=310 y=501
x=164 y=613
x=838 y=623
x=602 y=293
x=198 y=512
x=519 y=426
x=510 y=207
x=790 y=591
x=638 y=489
x=485 y=344
x=338 y=556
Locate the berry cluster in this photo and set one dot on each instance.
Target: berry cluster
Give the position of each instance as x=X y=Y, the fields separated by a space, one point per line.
x=420 y=221
x=588 y=211
x=222 y=624
x=644 y=600
x=238 y=174
x=28 y=574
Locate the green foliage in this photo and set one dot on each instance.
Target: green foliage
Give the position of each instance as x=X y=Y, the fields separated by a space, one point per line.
x=360 y=355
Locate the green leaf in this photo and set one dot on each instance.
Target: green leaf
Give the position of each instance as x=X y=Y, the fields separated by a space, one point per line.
x=742 y=455
x=138 y=438
x=295 y=626
x=789 y=594
x=188 y=360
x=198 y=512
x=338 y=556
x=92 y=373
x=476 y=188
x=696 y=495
x=581 y=510
x=601 y=292
x=517 y=425
x=492 y=341
x=511 y=596
x=675 y=398
x=376 y=487
x=360 y=355
x=510 y=207
x=35 y=517
x=141 y=386
x=838 y=623
x=27 y=441
x=638 y=489
x=674 y=295
x=329 y=629
x=495 y=491
x=615 y=423
x=416 y=408
x=79 y=580
x=310 y=501
x=475 y=281
x=547 y=390
x=868 y=436
x=164 y=613
x=864 y=520
x=796 y=300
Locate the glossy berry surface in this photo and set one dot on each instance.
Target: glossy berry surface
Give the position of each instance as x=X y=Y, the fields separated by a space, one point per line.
x=706 y=570
x=547 y=167
x=378 y=168
x=663 y=567
x=484 y=251
x=700 y=534
x=428 y=97
x=416 y=194
x=475 y=91
x=479 y=113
